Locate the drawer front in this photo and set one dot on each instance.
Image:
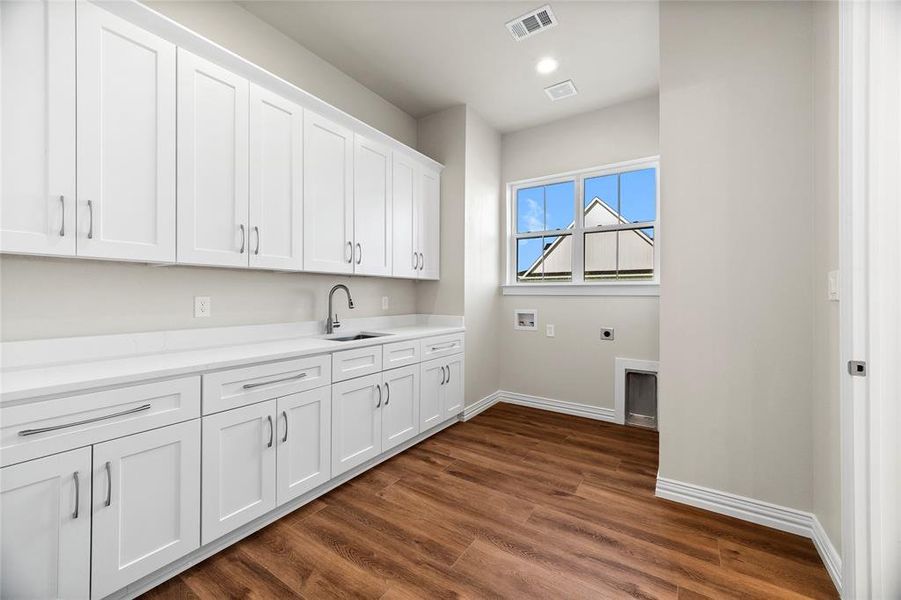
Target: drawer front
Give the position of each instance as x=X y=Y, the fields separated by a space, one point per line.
x=356 y=363
x=239 y=387
x=442 y=345
x=400 y=354
x=50 y=426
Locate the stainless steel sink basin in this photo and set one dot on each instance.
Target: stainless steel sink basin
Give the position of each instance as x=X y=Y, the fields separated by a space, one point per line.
x=356 y=336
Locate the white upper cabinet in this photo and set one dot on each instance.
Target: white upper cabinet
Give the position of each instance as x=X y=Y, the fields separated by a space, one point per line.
x=212 y=164
x=146 y=504
x=126 y=140
x=405 y=215
x=276 y=182
x=45 y=527
x=37 y=127
x=430 y=225
x=372 y=208
x=327 y=196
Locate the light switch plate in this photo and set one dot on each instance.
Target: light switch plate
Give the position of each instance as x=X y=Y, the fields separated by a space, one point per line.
x=384 y=302
x=549 y=330
x=202 y=306
x=833 y=286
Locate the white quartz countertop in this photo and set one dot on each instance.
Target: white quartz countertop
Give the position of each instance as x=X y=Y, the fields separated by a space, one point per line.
x=43 y=368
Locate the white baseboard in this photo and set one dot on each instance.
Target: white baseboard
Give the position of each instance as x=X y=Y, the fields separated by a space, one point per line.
x=599 y=413
x=756 y=511
x=481 y=405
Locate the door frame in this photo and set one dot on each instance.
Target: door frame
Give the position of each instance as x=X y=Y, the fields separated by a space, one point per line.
x=869 y=219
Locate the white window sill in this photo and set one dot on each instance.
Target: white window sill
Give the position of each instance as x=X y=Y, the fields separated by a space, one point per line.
x=582 y=289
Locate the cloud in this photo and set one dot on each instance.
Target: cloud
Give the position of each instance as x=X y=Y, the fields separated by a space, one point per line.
x=531 y=213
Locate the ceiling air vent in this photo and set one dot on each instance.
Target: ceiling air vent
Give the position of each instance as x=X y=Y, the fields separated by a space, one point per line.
x=531 y=23
x=561 y=90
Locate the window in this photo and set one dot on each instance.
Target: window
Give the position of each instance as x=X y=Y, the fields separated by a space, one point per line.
x=592 y=227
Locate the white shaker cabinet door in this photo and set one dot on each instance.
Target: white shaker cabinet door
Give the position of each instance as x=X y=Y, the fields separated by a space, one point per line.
x=146 y=504
x=238 y=467
x=454 y=391
x=356 y=422
x=276 y=182
x=327 y=196
x=372 y=208
x=37 y=127
x=400 y=410
x=126 y=140
x=404 y=221
x=304 y=442
x=45 y=527
x=433 y=374
x=213 y=111
x=430 y=225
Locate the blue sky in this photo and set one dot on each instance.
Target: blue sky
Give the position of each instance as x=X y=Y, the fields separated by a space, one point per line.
x=632 y=194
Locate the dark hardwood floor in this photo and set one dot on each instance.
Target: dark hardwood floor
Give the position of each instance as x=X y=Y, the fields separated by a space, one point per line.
x=516 y=503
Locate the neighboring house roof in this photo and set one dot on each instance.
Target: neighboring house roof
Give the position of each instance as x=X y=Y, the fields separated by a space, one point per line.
x=636 y=250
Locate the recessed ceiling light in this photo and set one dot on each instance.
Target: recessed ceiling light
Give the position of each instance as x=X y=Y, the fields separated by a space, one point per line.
x=546 y=65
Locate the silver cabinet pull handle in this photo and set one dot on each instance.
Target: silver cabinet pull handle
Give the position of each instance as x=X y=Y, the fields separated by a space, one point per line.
x=25 y=432
x=359 y=253
x=415 y=261
x=421 y=261
x=442 y=376
x=379 y=388
x=448 y=374
x=249 y=386
x=350 y=249
x=77 y=495
x=109 y=484
x=257 y=230
x=90 y=220
x=387 y=394
x=271 y=432
x=243 y=238
x=285 y=414
x=62 y=220
x=444 y=346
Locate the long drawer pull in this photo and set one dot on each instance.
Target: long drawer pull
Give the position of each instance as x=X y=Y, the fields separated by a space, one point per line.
x=444 y=346
x=249 y=386
x=77 y=495
x=141 y=408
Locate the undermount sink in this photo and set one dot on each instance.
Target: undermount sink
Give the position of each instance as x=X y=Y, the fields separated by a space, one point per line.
x=356 y=336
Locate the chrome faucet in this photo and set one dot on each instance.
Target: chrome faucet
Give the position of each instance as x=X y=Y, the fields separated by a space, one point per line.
x=332 y=324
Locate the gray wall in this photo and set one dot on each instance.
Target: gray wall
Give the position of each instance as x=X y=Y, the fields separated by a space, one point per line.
x=43 y=297
x=737 y=292
x=576 y=366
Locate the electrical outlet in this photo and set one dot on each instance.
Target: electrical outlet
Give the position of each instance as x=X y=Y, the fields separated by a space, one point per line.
x=607 y=334
x=833 y=286
x=202 y=306
x=384 y=302
x=549 y=330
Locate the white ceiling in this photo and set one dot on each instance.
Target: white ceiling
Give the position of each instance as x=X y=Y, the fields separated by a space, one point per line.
x=428 y=55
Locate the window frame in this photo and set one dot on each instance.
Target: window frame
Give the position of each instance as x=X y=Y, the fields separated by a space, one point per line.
x=578 y=285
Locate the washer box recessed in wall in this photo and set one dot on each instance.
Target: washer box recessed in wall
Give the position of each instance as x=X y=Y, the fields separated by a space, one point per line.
x=525 y=319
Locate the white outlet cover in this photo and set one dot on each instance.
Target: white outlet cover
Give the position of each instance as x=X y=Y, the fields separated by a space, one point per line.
x=384 y=302
x=549 y=330
x=202 y=306
x=833 y=286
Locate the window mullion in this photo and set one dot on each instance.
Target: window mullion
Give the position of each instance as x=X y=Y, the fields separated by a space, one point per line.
x=578 y=240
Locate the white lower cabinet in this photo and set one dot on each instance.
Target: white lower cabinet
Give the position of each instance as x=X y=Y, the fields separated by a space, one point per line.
x=45 y=527
x=238 y=467
x=356 y=422
x=400 y=410
x=146 y=504
x=304 y=442
x=442 y=394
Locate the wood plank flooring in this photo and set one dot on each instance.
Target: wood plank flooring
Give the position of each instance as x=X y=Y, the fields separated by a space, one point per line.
x=516 y=503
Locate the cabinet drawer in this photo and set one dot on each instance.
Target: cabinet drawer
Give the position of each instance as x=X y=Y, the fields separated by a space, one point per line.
x=51 y=426
x=356 y=363
x=442 y=345
x=240 y=387
x=400 y=354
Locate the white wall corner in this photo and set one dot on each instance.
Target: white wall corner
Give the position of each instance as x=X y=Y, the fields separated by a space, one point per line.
x=756 y=511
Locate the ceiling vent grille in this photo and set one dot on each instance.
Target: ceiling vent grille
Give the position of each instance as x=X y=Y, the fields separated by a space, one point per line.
x=561 y=90
x=531 y=23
